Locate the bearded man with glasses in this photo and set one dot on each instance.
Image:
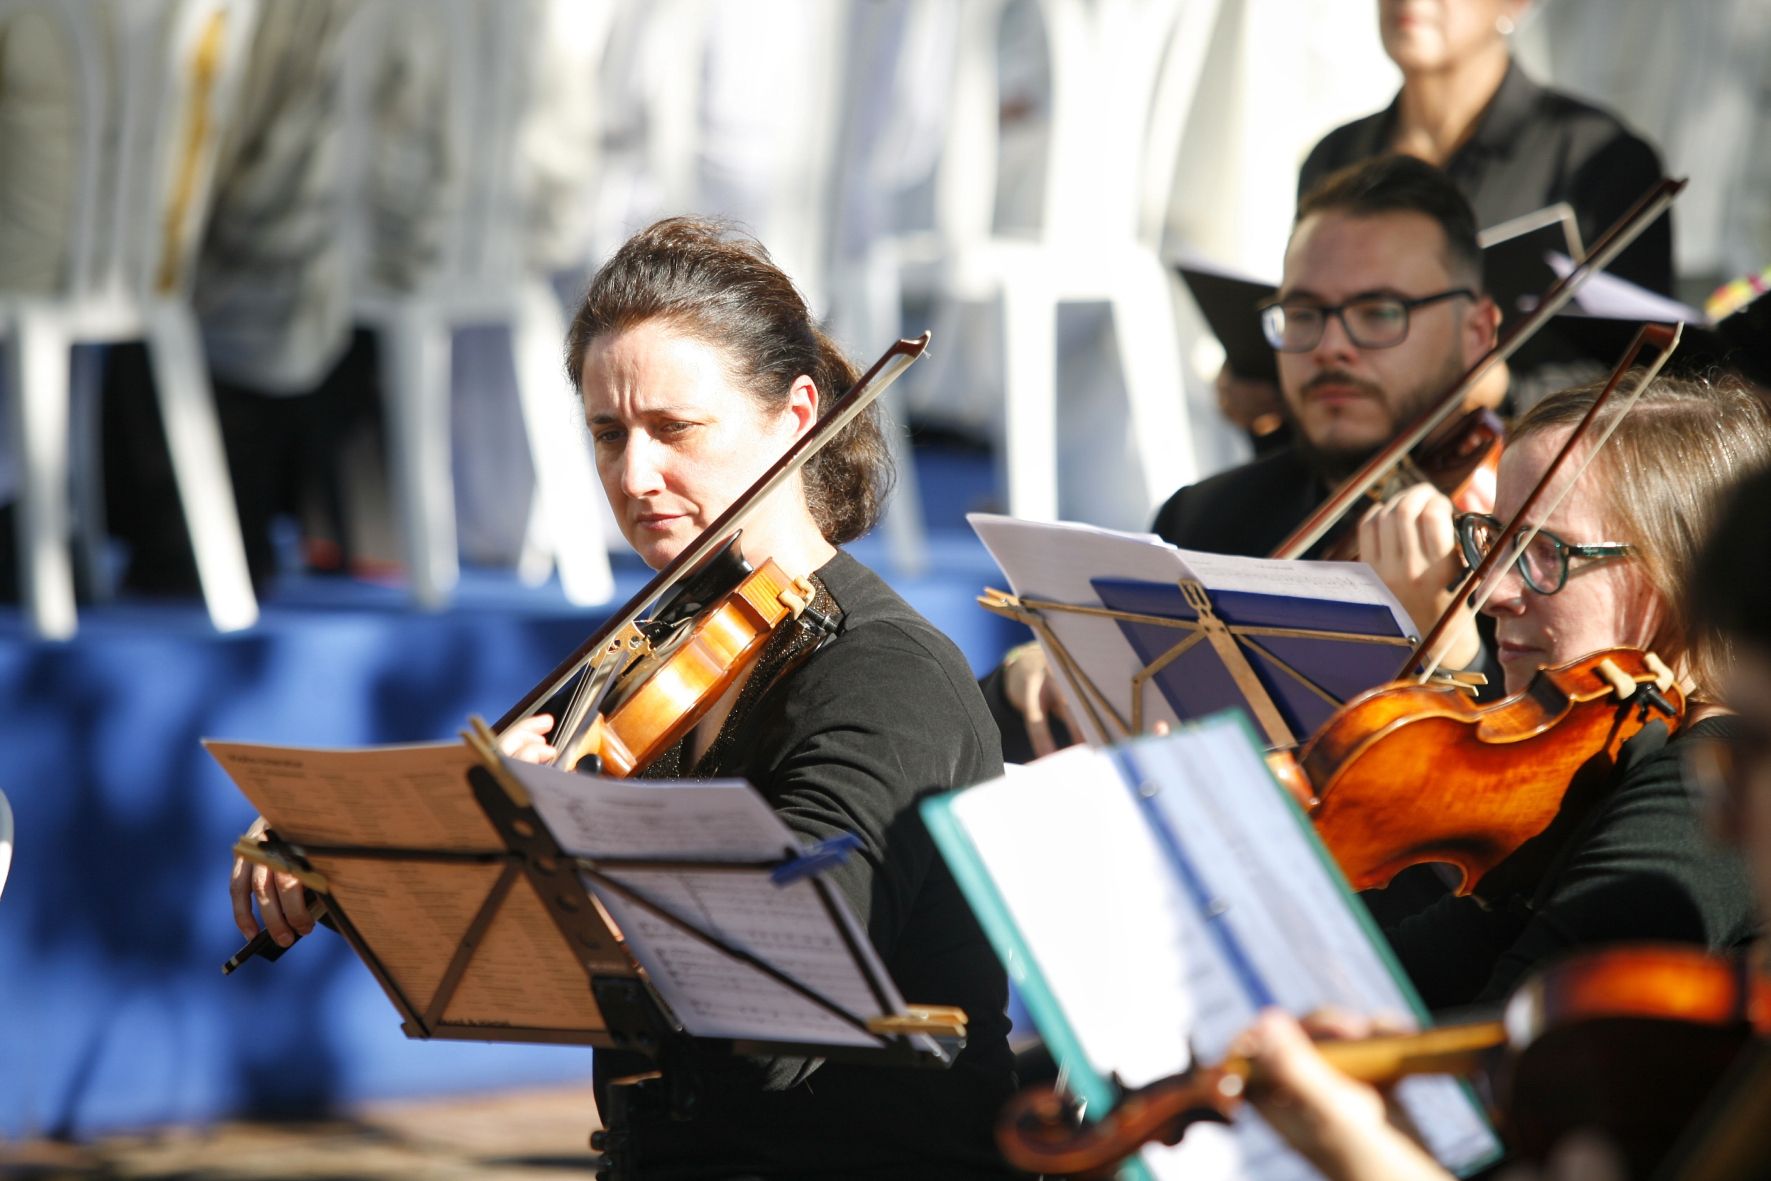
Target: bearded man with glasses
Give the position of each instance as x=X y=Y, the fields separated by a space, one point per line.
x=1379 y=312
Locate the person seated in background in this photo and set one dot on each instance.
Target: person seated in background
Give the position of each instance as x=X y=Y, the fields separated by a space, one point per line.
x=1380 y=310
x=1341 y=1125
x=1511 y=145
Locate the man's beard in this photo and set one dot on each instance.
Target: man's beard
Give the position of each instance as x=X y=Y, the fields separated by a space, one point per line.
x=1334 y=464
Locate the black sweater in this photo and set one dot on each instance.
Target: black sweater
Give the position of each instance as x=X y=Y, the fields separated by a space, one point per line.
x=848 y=741
x=1638 y=868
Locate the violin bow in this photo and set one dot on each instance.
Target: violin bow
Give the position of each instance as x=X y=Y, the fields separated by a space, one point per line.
x=1478 y=586
x=890 y=366
x=1649 y=206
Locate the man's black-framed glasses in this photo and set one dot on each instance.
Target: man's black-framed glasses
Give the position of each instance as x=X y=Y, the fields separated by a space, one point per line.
x=1295 y=325
x=1543 y=563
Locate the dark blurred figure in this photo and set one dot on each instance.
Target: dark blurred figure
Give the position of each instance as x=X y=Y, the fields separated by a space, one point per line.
x=273 y=303
x=1511 y=145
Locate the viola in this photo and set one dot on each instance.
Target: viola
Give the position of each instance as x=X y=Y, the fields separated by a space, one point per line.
x=1505 y=776
x=1462 y=461
x=658 y=665
x=1629 y=1040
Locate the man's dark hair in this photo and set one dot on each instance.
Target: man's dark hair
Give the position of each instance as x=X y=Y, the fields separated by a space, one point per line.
x=1403 y=184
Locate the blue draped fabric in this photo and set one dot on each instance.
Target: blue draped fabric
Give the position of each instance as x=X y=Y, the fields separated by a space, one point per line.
x=115 y=921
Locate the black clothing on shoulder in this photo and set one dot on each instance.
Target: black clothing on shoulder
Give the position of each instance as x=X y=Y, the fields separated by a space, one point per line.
x=847 y=738
x=1638 y=867
x=1532 y=147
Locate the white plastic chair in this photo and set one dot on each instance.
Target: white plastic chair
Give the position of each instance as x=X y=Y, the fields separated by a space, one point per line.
x=1123 y=75
x=480 y=278
x=5 y=840
x=149 y=127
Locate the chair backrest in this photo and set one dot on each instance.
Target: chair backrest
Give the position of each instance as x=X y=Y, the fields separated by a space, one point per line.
x=152 y=82
x=1124 y=74
x=5 y=840
x=445 y=91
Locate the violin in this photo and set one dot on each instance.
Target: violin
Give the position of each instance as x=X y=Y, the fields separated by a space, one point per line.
x=658 y=665
x=1414 y=771
x=1462 y=461
x=1519 y=772
x=1629 y=1040
x=1452 y=457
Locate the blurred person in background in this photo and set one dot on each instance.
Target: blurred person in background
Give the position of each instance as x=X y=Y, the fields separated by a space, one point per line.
x=1511 y=145
x=273 y=305
x=1391 y=241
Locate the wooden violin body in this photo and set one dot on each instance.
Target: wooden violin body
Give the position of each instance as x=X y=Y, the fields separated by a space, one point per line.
x=673 y=676
x=1463 y=462
x=1408 y=773
x=1630 y=1040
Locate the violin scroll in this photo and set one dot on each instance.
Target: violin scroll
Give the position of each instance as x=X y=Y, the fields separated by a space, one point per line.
x=1039 y=1131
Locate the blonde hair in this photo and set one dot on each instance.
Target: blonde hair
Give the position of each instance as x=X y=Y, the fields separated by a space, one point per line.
x=1661 y=482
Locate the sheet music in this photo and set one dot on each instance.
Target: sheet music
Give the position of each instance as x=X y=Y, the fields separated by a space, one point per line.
x=1605 y=294
x=596 y=816
x=1062 y=562
x=787 y=927
x=1057 y=562
x=413 y=914
x=1193 y=895
x=1338 y=582
x=411 y=797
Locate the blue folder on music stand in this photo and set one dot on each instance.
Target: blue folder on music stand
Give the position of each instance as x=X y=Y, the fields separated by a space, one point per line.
x=1289 y=662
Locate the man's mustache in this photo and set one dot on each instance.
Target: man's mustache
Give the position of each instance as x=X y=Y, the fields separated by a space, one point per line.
x=1340 y=377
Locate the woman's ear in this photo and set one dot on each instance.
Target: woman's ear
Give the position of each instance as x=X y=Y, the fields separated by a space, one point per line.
x=802 y=405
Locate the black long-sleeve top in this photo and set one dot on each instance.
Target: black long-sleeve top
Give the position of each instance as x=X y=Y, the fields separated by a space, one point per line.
x=1531 y=147
x=848 y=741
x=1638 y=868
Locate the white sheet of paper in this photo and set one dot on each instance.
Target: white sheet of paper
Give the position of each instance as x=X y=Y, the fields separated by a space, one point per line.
x=1058 y=562
x=1605 y=294
x=789 y=927
x=595 y=816
x=1136 y=955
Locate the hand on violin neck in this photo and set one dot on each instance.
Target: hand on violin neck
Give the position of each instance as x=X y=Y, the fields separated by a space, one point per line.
x=1411 y=543
x=526 y=740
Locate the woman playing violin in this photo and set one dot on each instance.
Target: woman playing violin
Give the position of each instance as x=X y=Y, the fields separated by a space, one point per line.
x=1342 y=1125
x=1611 y=567
x=699 y=364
